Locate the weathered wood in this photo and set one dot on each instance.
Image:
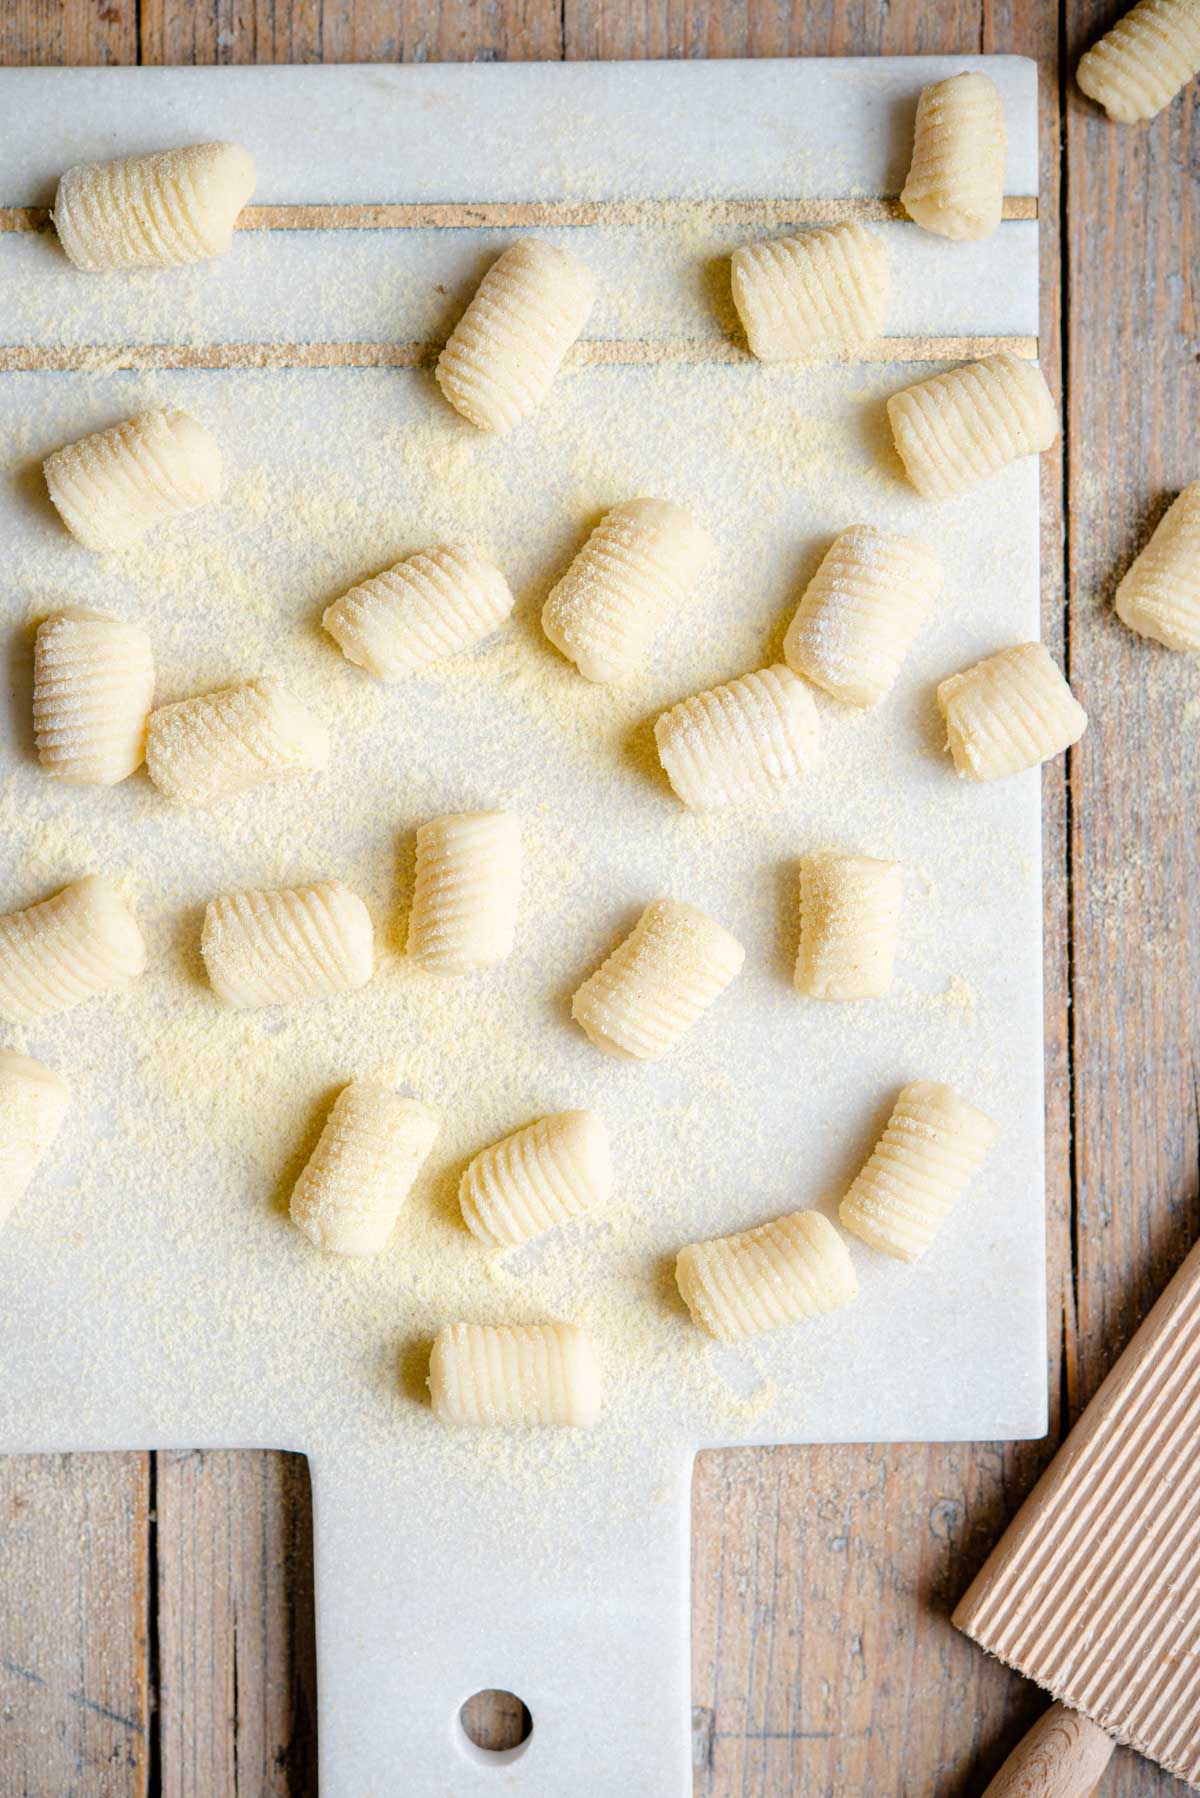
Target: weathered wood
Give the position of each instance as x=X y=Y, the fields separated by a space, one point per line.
x=74 y=1702
x=236 y=1662
x=265 y=31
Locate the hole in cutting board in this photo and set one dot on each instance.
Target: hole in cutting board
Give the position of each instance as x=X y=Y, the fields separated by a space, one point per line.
x=495 y=1722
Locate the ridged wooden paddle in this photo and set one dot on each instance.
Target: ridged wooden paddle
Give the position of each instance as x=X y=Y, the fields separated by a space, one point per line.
x=1094 y=1592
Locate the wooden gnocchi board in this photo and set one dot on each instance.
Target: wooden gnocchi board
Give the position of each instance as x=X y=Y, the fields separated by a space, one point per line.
x=152 y=1292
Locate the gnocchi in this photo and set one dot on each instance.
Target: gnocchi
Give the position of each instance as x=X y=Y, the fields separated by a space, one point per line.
x=540 y=1176
x=357 y=1178
x=519 y=1376
x=93 y=686
x=849 y=926
x=957 y=429
x=33 y=1104
x=271 y=947
x=748 y=740
x=228 y=742
x=111 y=487
x=814 y=297
x=791 y=1268
x=1009 y=712
x=423 y=610
x=637 y=566
x=658 y=982
x=154 y=211
x=1160 y=595
x=1139 y=66
x=955 y=185
x=861 y=611
x=54 y=955
x=464 y=907
x=933 y=1145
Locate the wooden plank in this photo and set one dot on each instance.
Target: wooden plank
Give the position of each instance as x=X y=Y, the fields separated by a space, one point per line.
x=265 y=31
x=237 y=1664
x=74 y=1699
x=49 y=32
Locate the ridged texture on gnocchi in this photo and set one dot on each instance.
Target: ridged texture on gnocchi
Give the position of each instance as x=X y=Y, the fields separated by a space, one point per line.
x=658 y=982
x=955 y=184
x=111 y=487
x=357 y=1178
x=957 y=429
x=1011 y=711
x=426 y=608
x=515 y=1376
x=509 y=344
x=794 y=1267
x=1160 y=595
x=861 y=611
x=933 y=1144
x=1139 y=66
x=63 y=950
x=748 y=740
x=540 y=1176
x=93 y=686
x=33 y=1104
x=208 y=748
x=813 y=297
x=637 y=566
x=270 y=947
x=153 y=211
x=464 y=906
x=849 y=926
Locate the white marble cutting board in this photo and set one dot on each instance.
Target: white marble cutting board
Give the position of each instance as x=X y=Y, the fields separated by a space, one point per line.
x=151 y=1290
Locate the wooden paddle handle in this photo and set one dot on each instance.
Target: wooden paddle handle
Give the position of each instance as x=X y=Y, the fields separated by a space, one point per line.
x=1063 y=1756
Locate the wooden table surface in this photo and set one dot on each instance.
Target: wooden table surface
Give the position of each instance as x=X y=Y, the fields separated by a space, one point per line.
x=156 y=1618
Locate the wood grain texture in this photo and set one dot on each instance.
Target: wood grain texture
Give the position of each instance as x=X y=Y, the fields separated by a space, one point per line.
x=824 y=1662
x=75 y=1707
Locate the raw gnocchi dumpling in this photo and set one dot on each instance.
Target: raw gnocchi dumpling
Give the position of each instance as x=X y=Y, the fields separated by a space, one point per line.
x=748 y=740
x=93 y=686
x=794 y=1267
x=464 y=906
x=111 y=487
x=849 y=926
x=357 y=1178
x=428 y=607
x=540 y=1176
x=1160 y=595
x=658 y=982
x=208 y=748
x=861 y=611
x=955 y=184
x=515 y=1376
x=504 y=352
x=1009 y=712
x=957 y=429
x=637 y=566
x=933 y=1144
x=154 y=211
x=63 y=950
x=33 y=1104
x=1139 y=66
x=270 y=947
x=814 y=297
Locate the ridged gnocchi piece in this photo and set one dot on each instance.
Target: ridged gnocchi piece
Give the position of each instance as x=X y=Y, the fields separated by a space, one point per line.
x=536 y=1178
x=357 y=1178
x=503 y=354
x=955 y=185
x=637 y=567
x=93 y=686
x=514 y=1376
x=1160 y=595
x=794 y=1267
x=1009 y=712
x=748 y=740
x=813 y=297
x=849 y=926
x=658 y=982
x=468 y=884
x=425 y=609
x=1139 y=66
x=219 y=744
x=33 y=1104
x=933 y=1145
x=958 y=429
x=111 y=487
x=80 y=942
x=861 y=611
x=155 y=211
x=274 y=946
